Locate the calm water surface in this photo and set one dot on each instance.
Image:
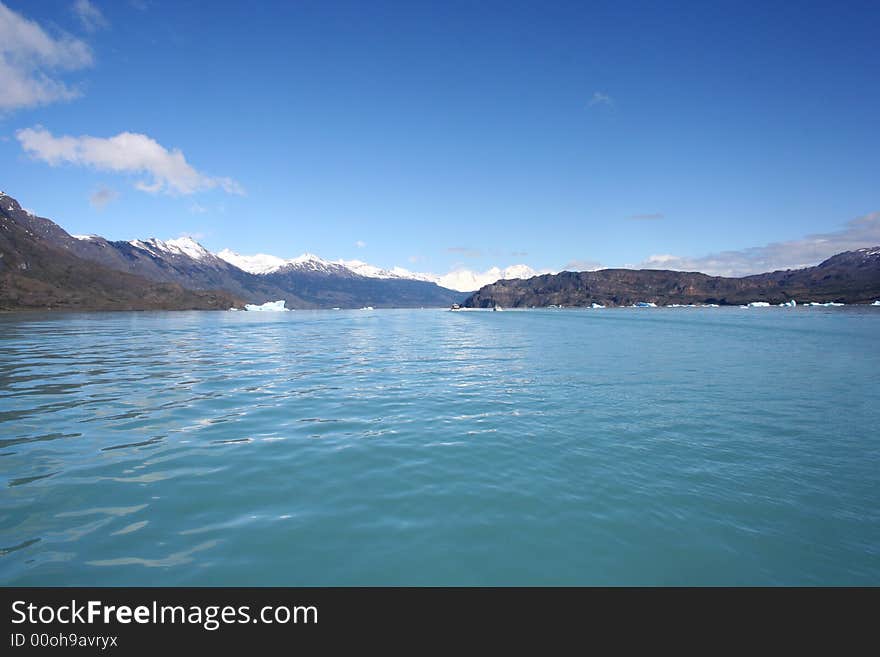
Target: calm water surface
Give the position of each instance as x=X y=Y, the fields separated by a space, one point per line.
x=620 y=446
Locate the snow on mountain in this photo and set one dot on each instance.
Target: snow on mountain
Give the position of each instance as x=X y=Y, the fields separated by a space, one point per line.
x=260 y=263
x=364 y=269
x=181 y=246
x=462 y=280
x=311 y=263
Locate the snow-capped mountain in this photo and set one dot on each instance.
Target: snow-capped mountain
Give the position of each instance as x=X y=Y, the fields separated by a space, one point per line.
x=42 y=265
x=186 y=246
x=461 y=280
x=304 y=282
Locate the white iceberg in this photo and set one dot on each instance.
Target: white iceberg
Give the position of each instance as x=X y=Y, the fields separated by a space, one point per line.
x=599 y=305
x=876 y=303
x=269 y=306
x=758 y=304
x=644 y=304
x=788 y=304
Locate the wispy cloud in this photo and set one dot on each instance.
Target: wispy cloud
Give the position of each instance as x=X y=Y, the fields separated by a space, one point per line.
x=360 y=244
x=599 y=98
x=467 y=252
x=126 y=152
x=582 y=265
x=646 y=217
x=811 y=250
x=90 y=16
x=31 y=59
x=197 y=208
x=102 y=196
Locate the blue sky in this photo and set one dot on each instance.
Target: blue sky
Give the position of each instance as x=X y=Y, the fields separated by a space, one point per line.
x=457 y=134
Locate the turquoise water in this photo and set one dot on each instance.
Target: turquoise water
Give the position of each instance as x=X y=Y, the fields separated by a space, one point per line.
x=618 y=446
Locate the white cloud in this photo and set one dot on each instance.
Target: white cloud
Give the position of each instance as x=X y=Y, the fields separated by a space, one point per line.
x=90 y=16
x=30 y=59
x=102 y=196
x=811 y=250
x=360 y=244
x=196 y=208
x=126 y=152
x=466 y=280
x=599 y=98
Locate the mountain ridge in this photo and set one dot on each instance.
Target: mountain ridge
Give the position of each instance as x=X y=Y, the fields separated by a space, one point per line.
x=848 y=277
x=35 y=274
x=186 y=263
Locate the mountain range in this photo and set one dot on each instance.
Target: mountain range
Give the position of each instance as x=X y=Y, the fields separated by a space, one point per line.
x=848 y=277
x=43 y=266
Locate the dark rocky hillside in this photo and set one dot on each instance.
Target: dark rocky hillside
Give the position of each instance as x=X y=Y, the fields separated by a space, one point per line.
x=850 y=277
x=187 y=264
x=35 y=274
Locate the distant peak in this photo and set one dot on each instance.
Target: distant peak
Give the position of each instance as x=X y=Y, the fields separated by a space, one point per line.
x=186 y=246
x=260 y=263
x=308 y=257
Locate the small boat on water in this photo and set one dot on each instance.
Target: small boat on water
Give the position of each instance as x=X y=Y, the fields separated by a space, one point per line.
x=456 y=306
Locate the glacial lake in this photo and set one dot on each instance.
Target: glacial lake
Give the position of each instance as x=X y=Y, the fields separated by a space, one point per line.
x=425 y=447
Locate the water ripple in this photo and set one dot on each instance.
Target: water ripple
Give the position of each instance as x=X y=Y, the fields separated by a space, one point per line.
x=425 y=447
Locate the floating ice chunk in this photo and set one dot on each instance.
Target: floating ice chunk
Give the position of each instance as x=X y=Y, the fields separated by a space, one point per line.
x=644 y=304
x=876 y=303
x=788 y=304
x=832 y=303
x=367 y=308
x=599 y=305
x=758 y=304
x=269 y=306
